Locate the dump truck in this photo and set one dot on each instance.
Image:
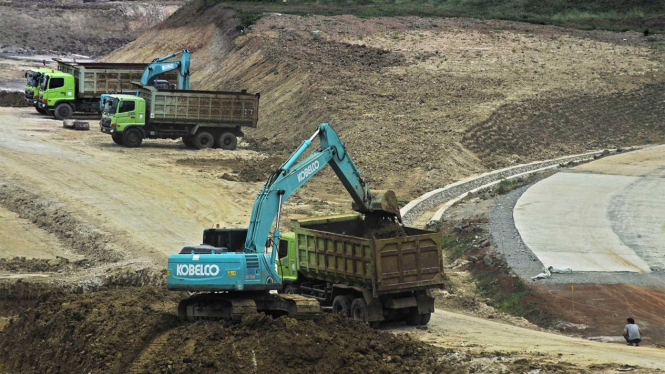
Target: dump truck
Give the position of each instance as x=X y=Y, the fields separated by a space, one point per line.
x=203 y=119
x=32 y=87
x=77 y=87
x=349 y=269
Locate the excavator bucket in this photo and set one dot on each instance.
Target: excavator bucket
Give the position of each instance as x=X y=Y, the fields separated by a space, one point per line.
x=383 y=202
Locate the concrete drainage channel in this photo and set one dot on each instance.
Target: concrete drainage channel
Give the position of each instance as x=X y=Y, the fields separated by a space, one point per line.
x=451 y=194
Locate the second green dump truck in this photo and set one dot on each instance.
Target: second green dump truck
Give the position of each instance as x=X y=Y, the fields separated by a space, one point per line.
x=350 y=270
x=33 y=84
x=203 y=119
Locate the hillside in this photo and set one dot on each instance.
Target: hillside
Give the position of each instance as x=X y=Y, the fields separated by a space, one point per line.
x=422 y=102
x=66 y=26
x=616 y=15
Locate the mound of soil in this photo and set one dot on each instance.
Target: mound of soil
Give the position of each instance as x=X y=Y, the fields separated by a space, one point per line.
x=111 y=331
x=33 y=265
x=99 y=332
x=236 y=169
x=12 y=99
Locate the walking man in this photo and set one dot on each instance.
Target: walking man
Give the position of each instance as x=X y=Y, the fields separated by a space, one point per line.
x=632 y=333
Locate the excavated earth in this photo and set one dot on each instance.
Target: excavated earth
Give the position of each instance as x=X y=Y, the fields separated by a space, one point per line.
x=135 y=330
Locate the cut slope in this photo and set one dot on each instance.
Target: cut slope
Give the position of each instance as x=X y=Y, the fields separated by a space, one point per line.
x=404 y=91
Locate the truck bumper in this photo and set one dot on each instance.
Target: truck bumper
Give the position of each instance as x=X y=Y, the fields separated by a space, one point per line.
x=44 y=106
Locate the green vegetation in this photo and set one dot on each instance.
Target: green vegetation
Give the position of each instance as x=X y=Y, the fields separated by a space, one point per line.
x=616 y=15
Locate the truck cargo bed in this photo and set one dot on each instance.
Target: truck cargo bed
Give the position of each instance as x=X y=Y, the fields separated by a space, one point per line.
x=341 y=249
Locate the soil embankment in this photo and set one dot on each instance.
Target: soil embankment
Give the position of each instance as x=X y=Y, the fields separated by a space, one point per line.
x=433 y=99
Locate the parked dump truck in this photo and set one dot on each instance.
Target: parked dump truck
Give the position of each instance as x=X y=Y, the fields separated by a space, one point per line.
x=32 y=86
x=203 y=119
x=342 y=262
x=77 y=87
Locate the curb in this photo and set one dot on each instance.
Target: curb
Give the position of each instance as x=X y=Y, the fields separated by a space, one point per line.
x=454 y=192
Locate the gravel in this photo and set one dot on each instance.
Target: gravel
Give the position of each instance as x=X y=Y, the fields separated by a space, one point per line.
x=525 y=263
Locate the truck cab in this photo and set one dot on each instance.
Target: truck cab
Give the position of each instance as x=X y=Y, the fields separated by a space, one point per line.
x=34 y=80
x=124 y=118
x=57 y=94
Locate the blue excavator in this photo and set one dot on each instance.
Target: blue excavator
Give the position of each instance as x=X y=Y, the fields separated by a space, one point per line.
x=235 y=269
x=161 y=65
x=158 y=67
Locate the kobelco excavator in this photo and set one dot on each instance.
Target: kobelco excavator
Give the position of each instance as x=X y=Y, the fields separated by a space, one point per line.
x=236 y=268
x=160 y=66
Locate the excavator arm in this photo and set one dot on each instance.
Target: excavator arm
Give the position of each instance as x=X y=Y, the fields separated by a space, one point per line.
x=161 y=65
x=292 y=174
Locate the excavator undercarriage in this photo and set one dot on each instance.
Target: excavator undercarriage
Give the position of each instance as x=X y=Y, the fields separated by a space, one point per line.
x=231 y=307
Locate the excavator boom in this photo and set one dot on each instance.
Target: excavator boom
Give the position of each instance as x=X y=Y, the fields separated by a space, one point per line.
x=160 y=66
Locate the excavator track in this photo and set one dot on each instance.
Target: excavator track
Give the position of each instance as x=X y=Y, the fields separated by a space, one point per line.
x=232 y=307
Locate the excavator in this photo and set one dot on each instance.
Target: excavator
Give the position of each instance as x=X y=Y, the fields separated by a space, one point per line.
x=156 y=68
x=235 y=269
x=160 y=66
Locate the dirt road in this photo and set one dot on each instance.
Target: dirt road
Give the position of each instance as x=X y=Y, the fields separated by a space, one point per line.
x=149 y=208
x=458 y=331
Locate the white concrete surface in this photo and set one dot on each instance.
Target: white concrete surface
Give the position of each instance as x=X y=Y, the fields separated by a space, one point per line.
x=593 y=220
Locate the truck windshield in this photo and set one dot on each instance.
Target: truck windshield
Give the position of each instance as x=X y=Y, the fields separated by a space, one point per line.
x=111 y=105
x=33 y=78
x=44 y=82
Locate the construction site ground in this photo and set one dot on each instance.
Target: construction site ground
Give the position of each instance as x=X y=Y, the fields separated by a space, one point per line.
x=95 y=186
x=86 y=225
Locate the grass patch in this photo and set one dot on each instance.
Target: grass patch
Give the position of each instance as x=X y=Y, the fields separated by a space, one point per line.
x=615 y=15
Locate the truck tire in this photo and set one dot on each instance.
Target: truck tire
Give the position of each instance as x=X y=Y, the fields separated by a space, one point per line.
x=117 y=138
x=342 y=304
x=203 y=140
x=132 y=138
x=187 y=141
x=63 y=111
x=359 y=309
x=227 y=140
x=413 y=318
x=424 y=318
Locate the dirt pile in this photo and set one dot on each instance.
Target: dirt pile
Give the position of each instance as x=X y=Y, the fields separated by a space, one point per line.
x=236 y=169
x=115 y=331
x=12 y=99
x=35 y=265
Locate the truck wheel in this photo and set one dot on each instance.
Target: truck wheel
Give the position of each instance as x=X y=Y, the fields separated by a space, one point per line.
x=117 y=138
x=132 y=138
x=63 y=111
x=291 y=289
x=342 y=304
x=424 y=318
x=227 y=141
x=413 y=318
x=187 y=141
x=359 y=309
x=203 y=140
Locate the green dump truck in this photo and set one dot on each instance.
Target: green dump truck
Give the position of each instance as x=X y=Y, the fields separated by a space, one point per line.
x=349 y=270
x=32 y=86
x=77 y=87
x=203 y=119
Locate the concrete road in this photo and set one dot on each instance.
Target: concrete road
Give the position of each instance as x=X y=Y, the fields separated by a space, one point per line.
x=608 y=215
